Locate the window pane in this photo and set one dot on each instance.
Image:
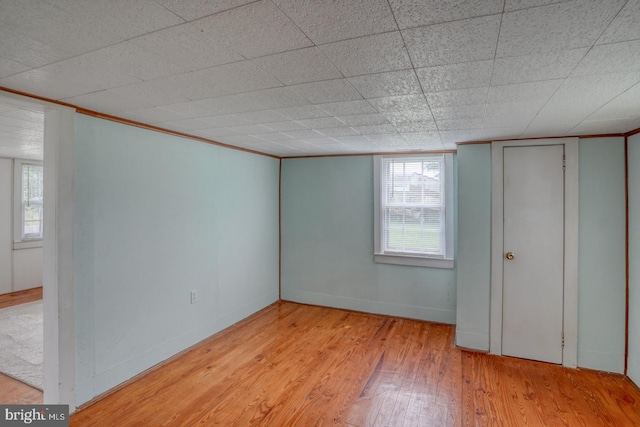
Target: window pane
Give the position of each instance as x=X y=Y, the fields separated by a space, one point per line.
x=32 y=191
x=413 y=204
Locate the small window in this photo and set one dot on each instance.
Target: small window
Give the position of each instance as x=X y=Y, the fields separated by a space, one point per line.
x=28 y=187
x=414 y=210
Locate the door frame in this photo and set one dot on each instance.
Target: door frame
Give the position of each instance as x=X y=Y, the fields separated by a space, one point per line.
x=570 y=303
x=58 y=284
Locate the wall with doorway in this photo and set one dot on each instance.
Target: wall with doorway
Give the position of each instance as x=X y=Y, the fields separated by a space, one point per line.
x=19 y=268
x=601 y=288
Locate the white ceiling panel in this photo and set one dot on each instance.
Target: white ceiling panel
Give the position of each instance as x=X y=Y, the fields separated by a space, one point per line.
x=299 y=66
x=187 y=46
x=194 y=9
x=371 y=54
x=256 y=29
x=610 y=58
x=327 y=76
x=455 y=76
x=626 y=25
x=415 y=13
x=559 y=26
x=393 y=83
x=327 y=91
x=80 y=26
x=326 y=21
x=531 y=68
x=453 y=42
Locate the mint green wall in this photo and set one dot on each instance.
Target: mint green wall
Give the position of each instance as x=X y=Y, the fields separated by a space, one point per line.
x=633 y=159
x=327 y=246
x=474 y=246
x=601 y=255
x=601 y=288
x=157 y=216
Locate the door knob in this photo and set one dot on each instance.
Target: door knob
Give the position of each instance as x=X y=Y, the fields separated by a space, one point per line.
x=509 y=256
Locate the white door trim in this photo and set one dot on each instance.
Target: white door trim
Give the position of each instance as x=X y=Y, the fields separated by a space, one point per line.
x=58 y=283
x=570 y=305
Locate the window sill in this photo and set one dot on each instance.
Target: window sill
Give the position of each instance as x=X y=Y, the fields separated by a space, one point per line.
x=27 y=244
x=414 y=261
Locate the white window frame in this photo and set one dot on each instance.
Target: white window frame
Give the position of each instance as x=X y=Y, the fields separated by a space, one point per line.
x=405 y=258
x=19 y=240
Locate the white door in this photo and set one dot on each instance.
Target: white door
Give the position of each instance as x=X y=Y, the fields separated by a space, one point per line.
x=533 y=262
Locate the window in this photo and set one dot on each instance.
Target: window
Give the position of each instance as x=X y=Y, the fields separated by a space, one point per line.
x=28 y=192
x=414 y=210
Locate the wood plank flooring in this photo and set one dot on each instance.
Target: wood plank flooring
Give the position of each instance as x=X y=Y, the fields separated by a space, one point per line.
x=13 y=391
x=297 y=365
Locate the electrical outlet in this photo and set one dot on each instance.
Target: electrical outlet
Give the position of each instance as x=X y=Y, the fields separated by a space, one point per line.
x=194 y=297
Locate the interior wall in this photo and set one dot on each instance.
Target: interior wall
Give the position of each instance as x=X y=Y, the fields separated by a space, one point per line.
x=157 y=216
x=20 y=269
x=328 y=244
x=633 y=159
x=474 y=246
x=601 y=255
x=6 y=228
x=601 y=251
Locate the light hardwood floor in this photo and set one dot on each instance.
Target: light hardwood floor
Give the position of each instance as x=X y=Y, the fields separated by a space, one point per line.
x=13 y=391
x=298 y=365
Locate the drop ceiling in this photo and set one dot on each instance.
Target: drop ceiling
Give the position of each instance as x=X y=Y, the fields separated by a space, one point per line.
x=315 y=77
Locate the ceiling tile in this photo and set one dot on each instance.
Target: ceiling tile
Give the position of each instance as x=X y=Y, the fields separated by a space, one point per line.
x=24 y=50
x=347 y=108
x=216 y=133
x=251 y=129
x=152 y=115
x=237 y=77
x=66 y=79
x=299 y=66
x=526 y=4
x=339 y=131
x=530 y=68
x=412 y=13
x=560 y=26
x=393 y=83
x=224 y=120
x=273 y=136
x=193 y=9
x=459 y=124
x=302 y=112
x=279 y=97
x=80 y=26
x=381 y=129
x=327 y=91
x=188 y=124
x=624 y=106
x=626 y=26
x=253 y=30
x=322 y=123
x=507 y=121
x=452 y=42
x=578 y=98
x=452 y=98
x=595 y=127
x=263 y=116
x=363 y=119
x=286 y=126
x=428 y=140
x=304 y=134
x=326 y=21
x=371 y=54
x=399 y=103
x=455 y=76
x=610 y=58
x=405 y=116
x=155 y=92
x=186 y=46
x=523 y=92
x=408 y=127
x=459 y=112
x=107 y=101
x=8 y=67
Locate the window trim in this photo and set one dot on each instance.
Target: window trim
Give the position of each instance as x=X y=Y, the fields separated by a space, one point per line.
x=406 y=258
x=19 y=242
